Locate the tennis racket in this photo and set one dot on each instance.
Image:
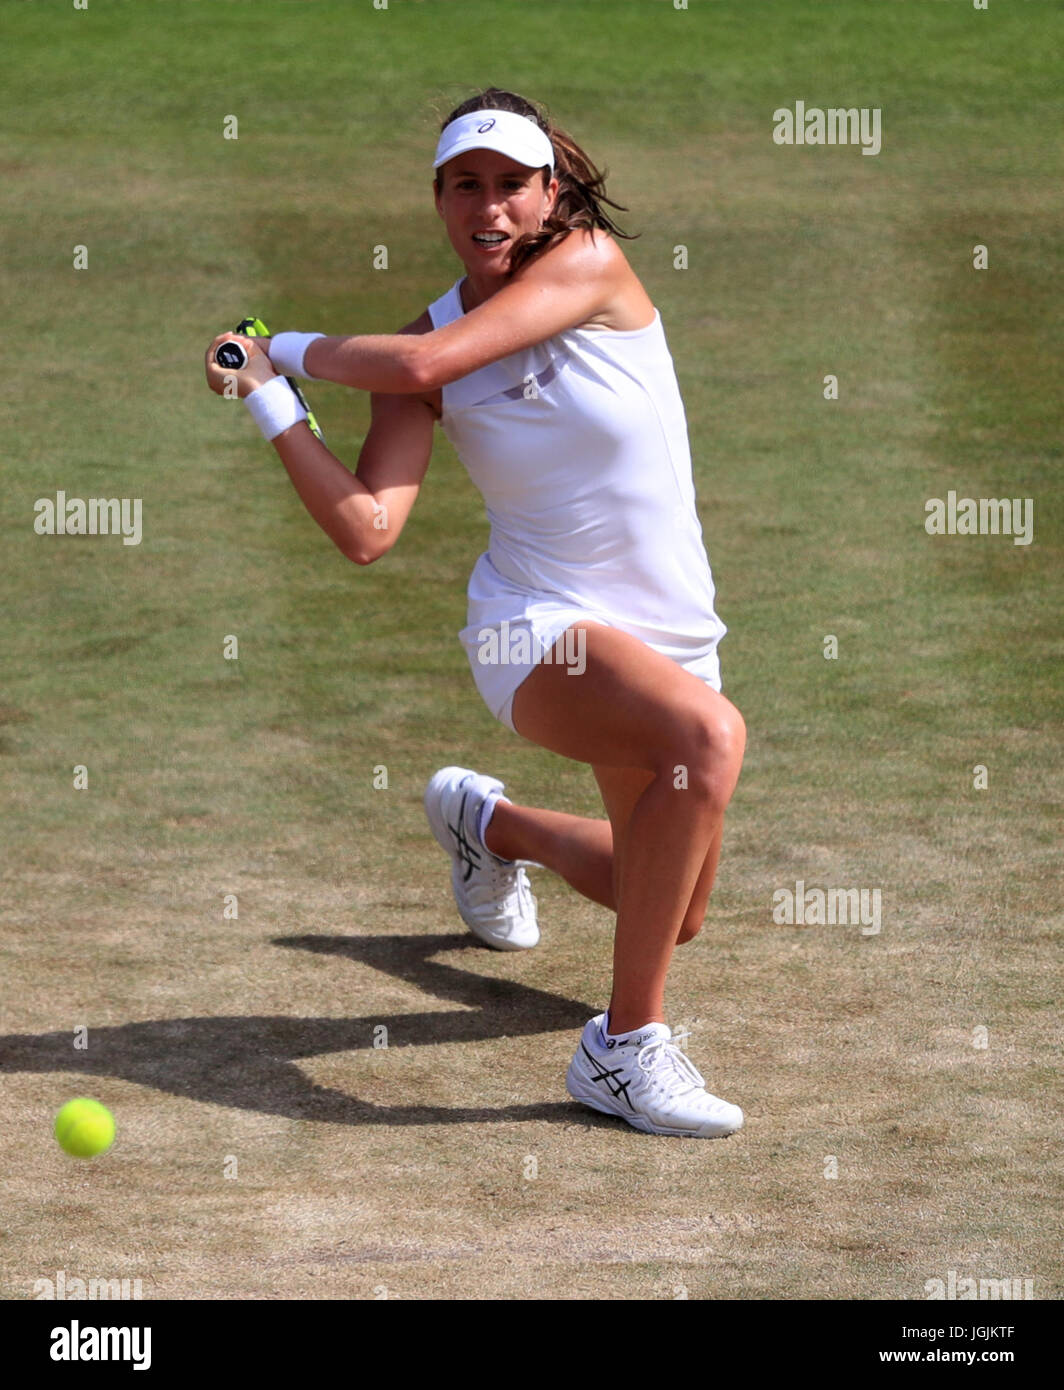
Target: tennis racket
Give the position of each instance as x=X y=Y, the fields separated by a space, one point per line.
x=233 y=356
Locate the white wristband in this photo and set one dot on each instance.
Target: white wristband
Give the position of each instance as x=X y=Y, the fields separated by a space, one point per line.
x=274 y=407
x=287 y=351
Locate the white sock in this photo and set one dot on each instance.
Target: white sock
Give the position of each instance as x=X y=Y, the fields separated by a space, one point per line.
x=602 y=1029
x=616 y=1037
x=486 y=813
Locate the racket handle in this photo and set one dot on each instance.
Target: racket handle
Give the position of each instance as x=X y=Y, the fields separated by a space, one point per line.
x=231 y=355
x=255 y=328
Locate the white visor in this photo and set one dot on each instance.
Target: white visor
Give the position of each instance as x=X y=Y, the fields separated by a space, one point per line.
x=503 y=131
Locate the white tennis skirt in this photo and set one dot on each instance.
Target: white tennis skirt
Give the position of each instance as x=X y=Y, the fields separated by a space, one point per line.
x=510 y=629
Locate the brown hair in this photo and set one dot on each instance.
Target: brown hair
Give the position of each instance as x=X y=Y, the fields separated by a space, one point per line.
x=581 y=188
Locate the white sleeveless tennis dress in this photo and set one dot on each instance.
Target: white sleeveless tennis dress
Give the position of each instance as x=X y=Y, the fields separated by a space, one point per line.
x=579 y=448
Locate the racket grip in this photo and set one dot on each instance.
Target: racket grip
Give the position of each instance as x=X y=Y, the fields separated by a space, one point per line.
x=231 y=355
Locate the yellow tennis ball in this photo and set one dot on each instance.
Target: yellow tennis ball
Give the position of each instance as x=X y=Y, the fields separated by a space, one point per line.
x=84 y=1127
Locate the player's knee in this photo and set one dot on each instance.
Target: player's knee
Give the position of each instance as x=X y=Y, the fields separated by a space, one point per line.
x=724 y=731
x=711 y=754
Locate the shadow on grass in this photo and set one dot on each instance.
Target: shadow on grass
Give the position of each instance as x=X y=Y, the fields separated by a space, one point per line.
x=248 y=1062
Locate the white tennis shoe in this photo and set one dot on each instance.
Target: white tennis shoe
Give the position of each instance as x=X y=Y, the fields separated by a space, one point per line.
x=648 y=1080
x=493 y=895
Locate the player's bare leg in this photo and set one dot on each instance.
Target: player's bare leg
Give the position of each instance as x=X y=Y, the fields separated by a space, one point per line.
x=634 y=709
x=580 y=850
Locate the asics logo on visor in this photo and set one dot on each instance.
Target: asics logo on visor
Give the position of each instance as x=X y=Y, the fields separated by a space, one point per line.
x=481 y=129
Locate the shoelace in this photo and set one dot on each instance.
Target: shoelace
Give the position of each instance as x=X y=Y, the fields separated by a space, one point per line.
x=522 y=892
x=666 y=1054
x=503 y=876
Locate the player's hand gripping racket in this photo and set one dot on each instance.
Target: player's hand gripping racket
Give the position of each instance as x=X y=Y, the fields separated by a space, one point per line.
x=234 y=357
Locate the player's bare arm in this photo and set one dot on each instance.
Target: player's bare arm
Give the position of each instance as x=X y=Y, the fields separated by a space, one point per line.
x=574 y=281
x=362 y=512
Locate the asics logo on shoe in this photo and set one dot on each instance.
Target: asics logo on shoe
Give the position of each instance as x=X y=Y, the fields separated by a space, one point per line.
x=629 y=1041
x=467 y=853
x=601 y=1074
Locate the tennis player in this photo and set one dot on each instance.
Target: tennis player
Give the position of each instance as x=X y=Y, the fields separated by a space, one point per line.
x=591 y=626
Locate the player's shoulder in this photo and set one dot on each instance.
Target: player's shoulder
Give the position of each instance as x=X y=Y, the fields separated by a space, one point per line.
x=589 y=265
x=584 y=253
